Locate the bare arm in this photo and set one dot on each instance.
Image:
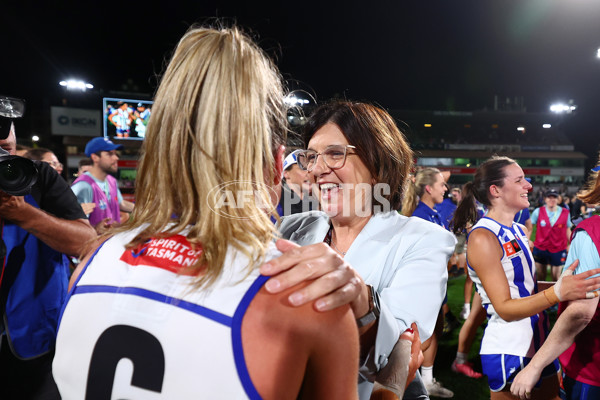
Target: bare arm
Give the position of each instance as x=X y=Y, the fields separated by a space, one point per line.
x=65 y=236
x=484 y=257
x=295 y=350
x=571 y=322
x=126 y=206
x=529 y=226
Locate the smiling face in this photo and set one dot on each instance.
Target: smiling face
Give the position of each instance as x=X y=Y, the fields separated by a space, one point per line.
x=514 y=192
x=340 y=191
x=437 y=189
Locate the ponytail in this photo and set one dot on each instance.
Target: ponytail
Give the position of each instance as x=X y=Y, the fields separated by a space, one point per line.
x=416 y=188
x=409 y=201
x=465 y=214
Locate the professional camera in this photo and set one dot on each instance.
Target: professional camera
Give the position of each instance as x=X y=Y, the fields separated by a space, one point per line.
x=17 y=174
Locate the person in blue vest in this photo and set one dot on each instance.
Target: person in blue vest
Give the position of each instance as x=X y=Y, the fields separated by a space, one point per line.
x=38 y=231
x=553 y=230
x=98 y=186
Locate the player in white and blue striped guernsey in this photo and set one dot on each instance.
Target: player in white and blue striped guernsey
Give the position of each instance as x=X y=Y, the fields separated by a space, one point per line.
x=502 y=267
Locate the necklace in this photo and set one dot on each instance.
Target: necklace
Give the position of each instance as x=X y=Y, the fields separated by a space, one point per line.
x=329 y=241
x=343 y=253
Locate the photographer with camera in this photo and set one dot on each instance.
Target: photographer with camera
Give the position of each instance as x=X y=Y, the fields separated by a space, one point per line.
x=41 y=222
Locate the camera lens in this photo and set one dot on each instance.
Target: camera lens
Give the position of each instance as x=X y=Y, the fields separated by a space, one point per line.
x=17 y=175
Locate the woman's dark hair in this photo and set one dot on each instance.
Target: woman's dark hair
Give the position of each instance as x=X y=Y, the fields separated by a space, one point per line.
x=379 y=143
x=491 y=172
x=37 y=154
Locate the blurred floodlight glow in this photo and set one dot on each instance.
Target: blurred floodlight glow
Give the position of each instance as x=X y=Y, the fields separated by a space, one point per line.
x=293 y=100
x=562 y=108
x=521 y=128
x=547 y=126
x=598 y=53
x=73 y=84
x=35 y=138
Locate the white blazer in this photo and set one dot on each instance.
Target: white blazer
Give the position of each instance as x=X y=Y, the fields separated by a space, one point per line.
x=404 y=259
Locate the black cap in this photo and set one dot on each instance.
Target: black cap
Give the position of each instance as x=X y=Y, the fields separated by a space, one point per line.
x=551 y=192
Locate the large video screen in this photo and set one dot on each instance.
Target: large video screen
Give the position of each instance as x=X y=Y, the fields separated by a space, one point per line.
x=125 y=118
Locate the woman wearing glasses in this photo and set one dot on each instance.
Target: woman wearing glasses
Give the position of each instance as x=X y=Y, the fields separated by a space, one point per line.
x=47 y=156
x=359 y=161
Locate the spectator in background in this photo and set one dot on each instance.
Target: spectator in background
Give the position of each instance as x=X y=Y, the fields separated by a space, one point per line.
x=45 y=155
x=84 y=165
x=577 y=209
x=447 y=206
x=22 y=150
x=100 y=187
x=295 y=189
x=523 y=217
x=553 y=231
x=563 y=201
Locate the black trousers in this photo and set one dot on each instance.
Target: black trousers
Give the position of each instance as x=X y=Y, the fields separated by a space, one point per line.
x=26 y=379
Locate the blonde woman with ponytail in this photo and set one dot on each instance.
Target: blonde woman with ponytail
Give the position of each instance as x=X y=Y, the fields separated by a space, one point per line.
x=176 y=290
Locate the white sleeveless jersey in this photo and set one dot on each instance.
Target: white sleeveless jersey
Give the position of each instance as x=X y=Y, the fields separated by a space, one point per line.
x=134 y=329
x=525 y=336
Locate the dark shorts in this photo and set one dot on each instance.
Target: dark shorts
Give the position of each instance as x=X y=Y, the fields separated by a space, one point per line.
x=575 y=390
x=501 y=369
x=545 y=257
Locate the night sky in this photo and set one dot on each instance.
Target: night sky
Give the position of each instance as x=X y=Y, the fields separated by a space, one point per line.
x=428 y=55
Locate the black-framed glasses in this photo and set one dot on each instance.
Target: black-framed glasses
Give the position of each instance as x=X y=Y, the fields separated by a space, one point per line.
x=333 y=156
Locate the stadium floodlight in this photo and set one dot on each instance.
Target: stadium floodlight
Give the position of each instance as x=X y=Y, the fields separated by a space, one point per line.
x=74 y=84
x=35 y=138
x=521 y=128
x=293 y=101
x=598 y=53
x=560 y=108
x=547 y=126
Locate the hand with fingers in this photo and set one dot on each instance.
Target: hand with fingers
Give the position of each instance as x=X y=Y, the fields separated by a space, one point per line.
x=334 y=281
x=575 y=287
x=402 y=366
x=524 y=382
